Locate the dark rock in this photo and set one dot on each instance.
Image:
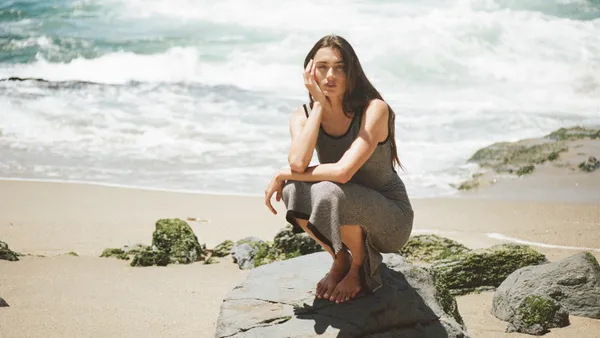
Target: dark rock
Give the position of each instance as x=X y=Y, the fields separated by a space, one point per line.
x=277 y=300
x=3 y=303
x=536 y=314
x=295 y=244
x=486 y=268
x=173 y=242
x=223 y=249
x=590 y=165
x=7 y=254
x=429 y=248
x=573 y=282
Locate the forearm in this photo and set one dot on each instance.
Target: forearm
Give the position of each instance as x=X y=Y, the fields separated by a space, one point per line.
x=322 y=172
x=303 y=146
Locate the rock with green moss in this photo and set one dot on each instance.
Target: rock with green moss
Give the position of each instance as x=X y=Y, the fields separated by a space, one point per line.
x=510 y=156
x=573 y=282
x=574 y=133
x=525 y=170
x=295 y=244
x=430 y=248
x=590 y=165
x=72 y=253
x=223 y=249
x=536 y=314
x=485 y=268
x=150 y=256
x=246 y=250
x=115 y=253
x=7 y=254
x=173 y=242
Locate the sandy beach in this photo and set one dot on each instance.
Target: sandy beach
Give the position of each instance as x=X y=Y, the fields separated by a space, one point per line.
x=61 y=295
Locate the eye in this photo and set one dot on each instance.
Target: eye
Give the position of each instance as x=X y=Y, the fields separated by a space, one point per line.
x=321 y=67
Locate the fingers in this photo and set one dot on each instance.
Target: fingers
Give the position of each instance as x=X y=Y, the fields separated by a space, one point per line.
x=268 y=195
x=307 y=72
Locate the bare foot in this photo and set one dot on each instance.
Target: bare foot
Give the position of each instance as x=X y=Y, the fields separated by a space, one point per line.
x=348 y=287
x=337 y=272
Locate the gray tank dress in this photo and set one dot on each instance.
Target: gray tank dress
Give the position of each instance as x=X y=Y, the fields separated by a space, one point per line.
x=375 y=198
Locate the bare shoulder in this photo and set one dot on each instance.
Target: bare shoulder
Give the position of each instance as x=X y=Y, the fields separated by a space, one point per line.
x=376 y=113
x=297 y=121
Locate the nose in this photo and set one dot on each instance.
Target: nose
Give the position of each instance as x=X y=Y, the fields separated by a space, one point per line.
x=330 y=74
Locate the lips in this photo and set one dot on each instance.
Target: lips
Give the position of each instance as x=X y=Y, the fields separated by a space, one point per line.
x=333 y=85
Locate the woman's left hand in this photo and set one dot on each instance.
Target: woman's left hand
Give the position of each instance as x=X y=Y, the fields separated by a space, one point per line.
x=275 y=187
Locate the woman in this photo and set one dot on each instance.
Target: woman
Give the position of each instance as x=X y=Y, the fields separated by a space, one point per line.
x=353 y=203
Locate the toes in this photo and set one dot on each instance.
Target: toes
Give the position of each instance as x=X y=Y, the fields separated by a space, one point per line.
x=334 y=296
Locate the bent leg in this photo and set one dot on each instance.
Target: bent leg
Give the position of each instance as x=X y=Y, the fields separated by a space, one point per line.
x=353 y=237
x=339 y=268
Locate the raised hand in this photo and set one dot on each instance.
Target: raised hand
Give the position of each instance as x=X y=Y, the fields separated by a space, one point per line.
x=311 y=83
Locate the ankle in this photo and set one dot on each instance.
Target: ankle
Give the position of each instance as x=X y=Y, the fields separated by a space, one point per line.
x=354 y=269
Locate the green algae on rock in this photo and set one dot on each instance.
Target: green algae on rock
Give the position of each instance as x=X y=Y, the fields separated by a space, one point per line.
x=590 y=165
x=223 y=249
x=574 y=133
x=536 y=314
x=295 y=244
x=7 y=254
x=486 y=268
x=429 y=248
x=173 y=242
x=115 y=252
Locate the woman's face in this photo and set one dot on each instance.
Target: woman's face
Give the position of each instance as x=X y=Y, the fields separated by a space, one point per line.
x=330 y=71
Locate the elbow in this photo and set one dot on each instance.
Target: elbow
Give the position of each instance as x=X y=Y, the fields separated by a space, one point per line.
x=344 y=176
x=298 y=166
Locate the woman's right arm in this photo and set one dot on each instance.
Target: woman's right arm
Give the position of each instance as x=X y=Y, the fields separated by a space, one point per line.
x=304 y=132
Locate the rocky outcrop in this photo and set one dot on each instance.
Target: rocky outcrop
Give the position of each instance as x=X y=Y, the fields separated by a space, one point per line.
x=173 y=242
x=485 y=269
x=223 y=249
x=536 y=314
x=7 y=254
x=430 y=248
x=464 y=270
x=278 y=300
x=525 y=156
x=572 y=283
x=253 y=252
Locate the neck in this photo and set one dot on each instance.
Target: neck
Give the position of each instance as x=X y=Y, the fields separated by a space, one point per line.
x=337 y=107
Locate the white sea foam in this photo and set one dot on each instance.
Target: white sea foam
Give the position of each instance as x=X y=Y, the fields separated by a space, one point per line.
x=459 y=74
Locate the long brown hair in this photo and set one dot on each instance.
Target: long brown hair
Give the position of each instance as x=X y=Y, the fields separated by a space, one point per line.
x=359 y=91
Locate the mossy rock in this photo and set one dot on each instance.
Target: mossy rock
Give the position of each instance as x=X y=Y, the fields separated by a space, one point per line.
x=574 y=133
x=177 y=239
x=484 y=269
x=507 y=156
x=590 y=165
x=114 y=252
x=173 y=242
x=151 y=256
x=536 y=314
x=447 y=300
x=528 y=169
x=429 y=248
x=72 y=253
x=7 y=254
x=293 y=244
x=223 y=249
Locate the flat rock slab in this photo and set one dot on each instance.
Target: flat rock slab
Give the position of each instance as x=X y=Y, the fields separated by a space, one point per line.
x=278 y=300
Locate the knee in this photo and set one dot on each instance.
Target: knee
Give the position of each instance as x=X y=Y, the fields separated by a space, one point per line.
x=329 y=191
